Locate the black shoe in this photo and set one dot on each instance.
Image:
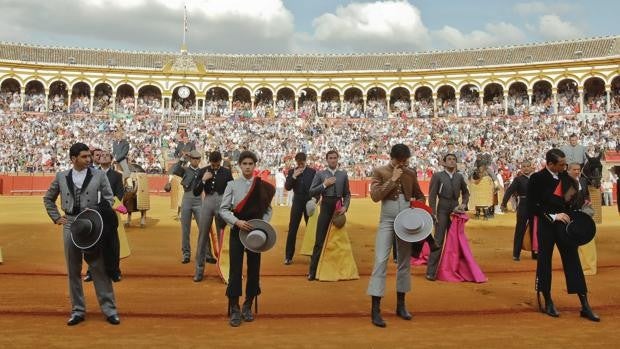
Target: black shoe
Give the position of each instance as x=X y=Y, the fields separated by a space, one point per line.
x=235 y=316
x=401 y=309
x=198 y=276
x=117 y=277
x=375 y=312
x=516 y=259
x=185 y=260
x=311 y=277
x=430 y=277
x=74 y=320
x=88 y=277
x=246 y=313
x=211 y=260
x=288 y=261
x=534 y=255
x=551 y=310
x=113 y=319
x=589 y=314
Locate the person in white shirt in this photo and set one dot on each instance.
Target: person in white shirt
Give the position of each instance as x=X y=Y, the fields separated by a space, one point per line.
x=280 y=180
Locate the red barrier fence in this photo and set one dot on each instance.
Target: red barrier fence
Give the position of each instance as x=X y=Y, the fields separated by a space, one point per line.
x=38 y=184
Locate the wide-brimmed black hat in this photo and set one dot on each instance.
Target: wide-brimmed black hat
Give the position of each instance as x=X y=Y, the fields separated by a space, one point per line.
x=87 y=229
x=261 y=238
x=581 y=228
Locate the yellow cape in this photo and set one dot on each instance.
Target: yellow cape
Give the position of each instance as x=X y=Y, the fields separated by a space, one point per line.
x=310 y=234
x=337 y=262
x=587 y=256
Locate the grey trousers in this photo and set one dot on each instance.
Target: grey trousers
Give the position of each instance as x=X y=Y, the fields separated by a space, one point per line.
x=441 y=228
x=125 y=167
x=383 y=244
x=190 y=205
x=102 y=282
x=208 y=212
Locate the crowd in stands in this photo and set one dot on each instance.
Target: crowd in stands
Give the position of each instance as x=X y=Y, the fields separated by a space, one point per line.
x=33 y=142
x=9 y=101
x=102 y=103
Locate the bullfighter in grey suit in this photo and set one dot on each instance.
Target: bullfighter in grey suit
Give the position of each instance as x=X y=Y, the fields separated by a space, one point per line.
x=120 y=150
x=333 y=185
x=446 y=185
x=191 y=203
x=80 y=188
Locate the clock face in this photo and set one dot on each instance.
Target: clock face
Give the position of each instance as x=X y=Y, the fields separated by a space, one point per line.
x=183 y=92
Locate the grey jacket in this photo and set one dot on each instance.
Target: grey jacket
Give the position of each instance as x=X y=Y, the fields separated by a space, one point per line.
x=95 y=182
x=447 y=191
x=236 y=190
x=120 y=149
x=341 y=186
x=575 y=154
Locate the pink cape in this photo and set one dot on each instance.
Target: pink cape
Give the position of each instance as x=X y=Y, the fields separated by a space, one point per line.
x=457 y=263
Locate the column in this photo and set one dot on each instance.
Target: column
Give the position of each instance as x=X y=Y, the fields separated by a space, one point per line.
x=530 y=92
x=554 y=92
x=23 y=96
x=581 y=104
x=481 y=103
x=296 y=101
x=387 y=106
x=47 y=99
x=505 y=102
x=70 y=101
x=457 y=96
x=364 y=106
x=92 y=102
x=135 y=104
x=252 y=98
x=340 y=105
x=608 y=98
x=434 y=96
x=114 y=101
x=204 y=106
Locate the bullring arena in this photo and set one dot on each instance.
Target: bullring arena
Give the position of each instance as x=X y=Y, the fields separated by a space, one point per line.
x=277 y=105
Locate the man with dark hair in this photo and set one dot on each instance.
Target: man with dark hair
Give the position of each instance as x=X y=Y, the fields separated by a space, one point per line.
x=120 y=151
x=333 y=185
x=191 y=203
x=446 y=186
x=549 y=202
x=80 y=188
x=518 y=188
x=574 y=151
x=299 y=179
x=245 y=198
x=395 y=185
x=213 y=181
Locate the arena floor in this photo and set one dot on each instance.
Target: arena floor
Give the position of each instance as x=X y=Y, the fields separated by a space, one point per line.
x=160 y=305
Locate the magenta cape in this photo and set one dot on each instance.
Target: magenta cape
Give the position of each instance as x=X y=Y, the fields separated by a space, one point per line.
x=457 y=263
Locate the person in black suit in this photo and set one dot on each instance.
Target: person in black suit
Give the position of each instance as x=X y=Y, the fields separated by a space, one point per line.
x=112 y=256
x=299 y=180
x=518 y=188
x=445 y=189
x=332 y=185
x=550 y=195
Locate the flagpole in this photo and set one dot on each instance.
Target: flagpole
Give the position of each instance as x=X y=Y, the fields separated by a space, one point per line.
x=184 y=47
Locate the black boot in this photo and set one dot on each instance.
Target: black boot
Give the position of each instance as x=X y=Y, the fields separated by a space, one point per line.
x=234 y=312
x=246 y=310
x=549 y=306
x=375 y=313
x=586 y=311
x=401 y=309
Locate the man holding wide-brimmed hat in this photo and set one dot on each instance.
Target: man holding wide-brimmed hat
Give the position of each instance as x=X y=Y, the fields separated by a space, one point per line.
x=246 y=200
x=79 y=189
x=191 y=203
x=552 y=197
x=395 y=185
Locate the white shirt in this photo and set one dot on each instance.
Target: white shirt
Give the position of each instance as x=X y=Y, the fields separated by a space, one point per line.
x=78 y=177
x=451 y=174
x=280 y=180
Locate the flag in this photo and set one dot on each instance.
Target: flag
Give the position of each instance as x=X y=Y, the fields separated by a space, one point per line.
x=185 y=26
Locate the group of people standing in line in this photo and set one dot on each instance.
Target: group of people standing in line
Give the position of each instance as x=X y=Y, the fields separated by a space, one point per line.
x=212 y=194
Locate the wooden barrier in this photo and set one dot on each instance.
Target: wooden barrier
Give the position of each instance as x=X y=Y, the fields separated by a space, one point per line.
x=38 y=184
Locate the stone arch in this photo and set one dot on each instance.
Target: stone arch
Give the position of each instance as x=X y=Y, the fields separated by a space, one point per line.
x=594 y=95
x=542 y=93
x=102 y=99
x=216 y=101
x=80 y=98
x=125 y=98
x=400 y=101
x=443 y=83
x=446 y=100
x=353 y=102
x=615 y=93
x=183 y=105
x=376 y=102
x=518 y=100
x=423 y=102
x=469 y=102
x=330 y=102
x=10 y=94
x=149 y=99
x=58 y=96
x=34 y=99
x=242 y=101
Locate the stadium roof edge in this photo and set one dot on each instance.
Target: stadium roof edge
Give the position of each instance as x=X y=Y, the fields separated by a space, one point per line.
x=402 y=53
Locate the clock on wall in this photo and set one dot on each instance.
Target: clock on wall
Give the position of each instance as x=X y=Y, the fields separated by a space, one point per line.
x=183 y=92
